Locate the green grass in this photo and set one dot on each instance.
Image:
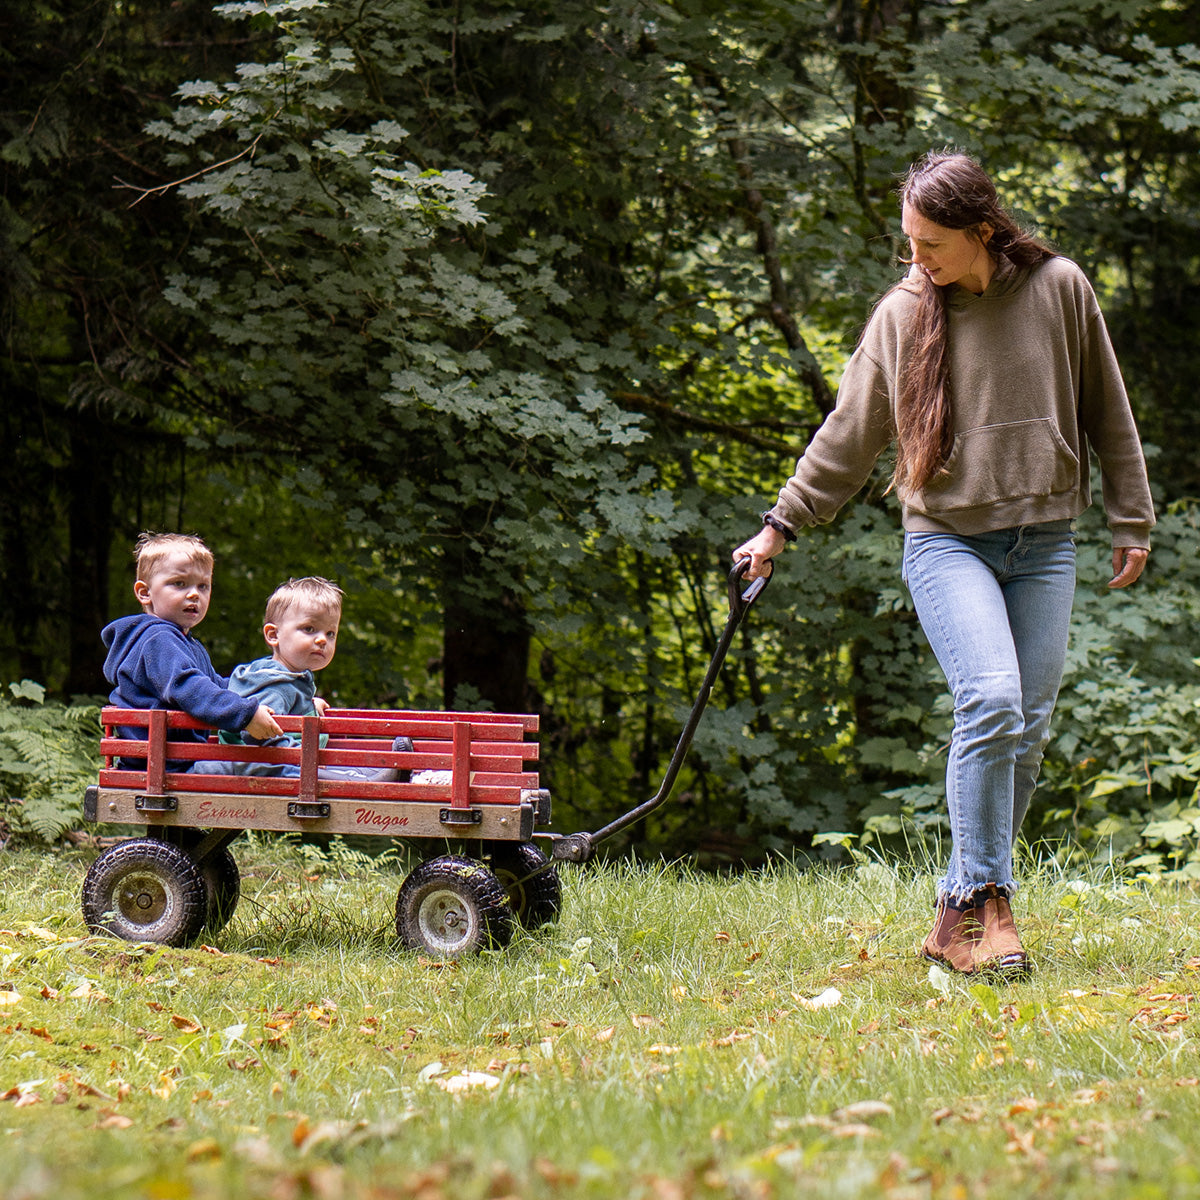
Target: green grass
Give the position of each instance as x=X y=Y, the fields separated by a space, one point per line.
x=658 y=1042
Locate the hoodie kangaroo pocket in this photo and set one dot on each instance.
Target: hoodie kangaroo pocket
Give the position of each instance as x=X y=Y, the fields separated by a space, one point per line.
x=1002 y=462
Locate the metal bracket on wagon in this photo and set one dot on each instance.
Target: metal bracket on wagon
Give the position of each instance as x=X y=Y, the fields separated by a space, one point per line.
x=573 y=847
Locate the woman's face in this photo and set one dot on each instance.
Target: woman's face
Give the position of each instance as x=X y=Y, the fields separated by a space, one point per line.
x=948 y=255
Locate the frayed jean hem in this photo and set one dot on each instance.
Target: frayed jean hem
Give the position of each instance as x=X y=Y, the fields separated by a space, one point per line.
x=966 y=892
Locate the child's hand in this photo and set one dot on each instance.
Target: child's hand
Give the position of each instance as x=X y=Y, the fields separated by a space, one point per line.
x=263 y=725
x=322 y=706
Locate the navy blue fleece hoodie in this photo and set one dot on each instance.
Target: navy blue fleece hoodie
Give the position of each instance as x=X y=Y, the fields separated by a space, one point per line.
x=152 y=663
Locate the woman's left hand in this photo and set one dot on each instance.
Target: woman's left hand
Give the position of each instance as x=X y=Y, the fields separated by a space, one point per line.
x=1128 y=564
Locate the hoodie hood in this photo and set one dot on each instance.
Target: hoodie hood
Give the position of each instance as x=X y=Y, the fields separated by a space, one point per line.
x=126 y=635
x=1006 y=280
x=267 y=674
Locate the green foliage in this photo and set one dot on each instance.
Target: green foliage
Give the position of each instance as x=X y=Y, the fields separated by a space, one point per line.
x=47 y=758
x=513 y=317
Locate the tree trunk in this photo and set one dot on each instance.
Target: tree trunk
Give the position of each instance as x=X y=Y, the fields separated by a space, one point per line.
x=89 y=519
x=485 y=641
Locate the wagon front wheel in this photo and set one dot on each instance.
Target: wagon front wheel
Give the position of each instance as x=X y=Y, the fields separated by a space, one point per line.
x=145 y=890
x=529 y=878
x=451 y=906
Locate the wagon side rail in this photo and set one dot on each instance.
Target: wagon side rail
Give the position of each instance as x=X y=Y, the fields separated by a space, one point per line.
x=485 y=757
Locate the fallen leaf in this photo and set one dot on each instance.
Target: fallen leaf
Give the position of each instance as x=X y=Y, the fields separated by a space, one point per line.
x=114 y=1120
x=864 y=1110
x=466 y=1080
x=9 y=998
x=829 y=998
x=605 y=1035
x=185 y=1024
x=731 y=1038
x=854 y=1130
x=205 y=1150
x=659 y=1048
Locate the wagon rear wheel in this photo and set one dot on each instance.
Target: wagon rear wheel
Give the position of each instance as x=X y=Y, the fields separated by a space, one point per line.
x=532 y=883
x=145 y=890
x=222 y=879
x=451 y=906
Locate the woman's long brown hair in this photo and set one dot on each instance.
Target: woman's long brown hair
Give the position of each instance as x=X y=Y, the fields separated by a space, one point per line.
x=954 y=191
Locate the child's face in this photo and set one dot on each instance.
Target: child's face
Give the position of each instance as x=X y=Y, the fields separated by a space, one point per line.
x=178 y=591
x=305 y=638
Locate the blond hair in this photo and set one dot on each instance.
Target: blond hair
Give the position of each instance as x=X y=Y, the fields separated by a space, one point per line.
x=312 y=589
x=152 y=548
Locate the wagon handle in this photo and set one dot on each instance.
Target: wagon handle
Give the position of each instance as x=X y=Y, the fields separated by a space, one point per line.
x=580 y=847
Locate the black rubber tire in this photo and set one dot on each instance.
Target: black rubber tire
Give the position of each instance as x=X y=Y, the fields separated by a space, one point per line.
x=222 y=879
x=450 y=906
x=222 y=888
x=145 y=890
x=533 y=887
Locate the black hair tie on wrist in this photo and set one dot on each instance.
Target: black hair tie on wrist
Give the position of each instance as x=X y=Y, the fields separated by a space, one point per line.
x=778 y=526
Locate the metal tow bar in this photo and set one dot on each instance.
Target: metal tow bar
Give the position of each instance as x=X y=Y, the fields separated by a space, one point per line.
x=580 y=847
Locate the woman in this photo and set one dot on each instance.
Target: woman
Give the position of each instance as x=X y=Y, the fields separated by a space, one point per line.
x=990 y=367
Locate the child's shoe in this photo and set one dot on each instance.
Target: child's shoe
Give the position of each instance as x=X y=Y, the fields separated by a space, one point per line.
x=394 y=774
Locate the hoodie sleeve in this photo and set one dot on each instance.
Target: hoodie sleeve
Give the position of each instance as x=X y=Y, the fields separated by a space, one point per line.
x=180 y=672
x=843 y=452
x=1109 y=424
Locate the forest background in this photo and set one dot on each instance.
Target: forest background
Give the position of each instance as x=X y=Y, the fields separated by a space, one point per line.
x=512 y=318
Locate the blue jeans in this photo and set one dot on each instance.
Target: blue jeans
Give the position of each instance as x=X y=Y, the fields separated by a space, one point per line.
x=995 y=607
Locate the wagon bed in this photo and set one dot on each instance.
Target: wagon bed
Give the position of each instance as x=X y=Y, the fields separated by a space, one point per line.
x=475 y=782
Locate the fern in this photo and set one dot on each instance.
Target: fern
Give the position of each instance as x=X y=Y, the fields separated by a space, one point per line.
x=48 y=756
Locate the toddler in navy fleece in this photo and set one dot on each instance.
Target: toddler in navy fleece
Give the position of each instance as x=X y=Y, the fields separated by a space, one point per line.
x=154 y=661
x=301 y=627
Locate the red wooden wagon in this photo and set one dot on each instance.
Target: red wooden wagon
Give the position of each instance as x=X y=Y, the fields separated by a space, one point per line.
x=474 y=785
x=167 y=885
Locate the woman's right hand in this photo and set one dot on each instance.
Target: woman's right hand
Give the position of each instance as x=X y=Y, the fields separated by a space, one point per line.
x=760 y=549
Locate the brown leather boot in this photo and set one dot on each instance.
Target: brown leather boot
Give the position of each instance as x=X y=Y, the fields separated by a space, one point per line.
x=951 y=943
x=998 y=949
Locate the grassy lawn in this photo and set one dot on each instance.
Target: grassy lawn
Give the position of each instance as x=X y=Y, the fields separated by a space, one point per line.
x=673 y=1036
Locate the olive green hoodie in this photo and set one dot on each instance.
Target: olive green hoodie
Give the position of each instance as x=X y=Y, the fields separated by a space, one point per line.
x=1034 y=382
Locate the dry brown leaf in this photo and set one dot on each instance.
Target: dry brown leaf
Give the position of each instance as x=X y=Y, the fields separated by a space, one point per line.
x=856 y=1129
x=112 y=1120
x=300 y=1131
x=205 y=1150
x=730 y=1038
x=605 y=1035
x=185 y=1024
x=864 y=1110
